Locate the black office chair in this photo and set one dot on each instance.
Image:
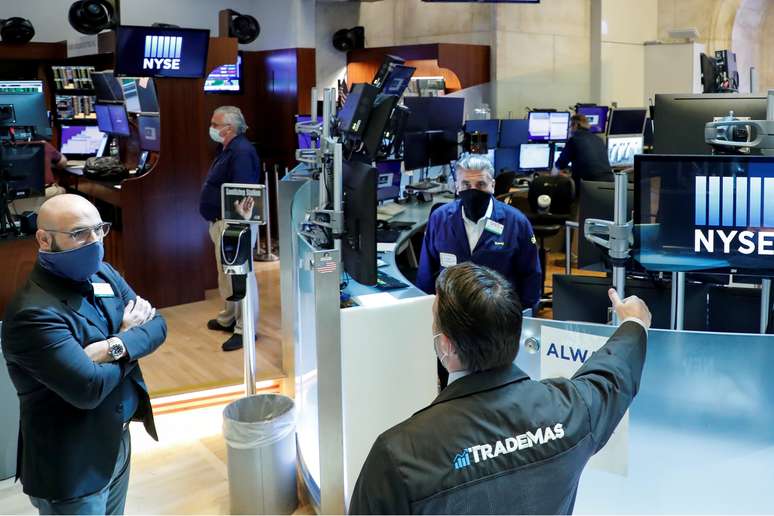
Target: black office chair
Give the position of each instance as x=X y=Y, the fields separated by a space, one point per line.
x=503 y=183
x=548 y=215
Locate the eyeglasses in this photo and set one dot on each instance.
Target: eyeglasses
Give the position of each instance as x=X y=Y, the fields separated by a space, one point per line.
x=81 y=236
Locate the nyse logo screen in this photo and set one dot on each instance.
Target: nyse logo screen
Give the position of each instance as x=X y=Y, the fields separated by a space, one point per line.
x=705 y=213
x=734 y=215
x=155 y=52
x=162 y=52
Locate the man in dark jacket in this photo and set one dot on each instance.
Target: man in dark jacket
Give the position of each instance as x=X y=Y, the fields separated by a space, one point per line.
x=72 y=337
x=495 y=441
x=585 y=154
x=235 y=162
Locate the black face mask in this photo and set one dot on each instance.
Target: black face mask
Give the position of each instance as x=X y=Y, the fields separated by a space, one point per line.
x=475 y=203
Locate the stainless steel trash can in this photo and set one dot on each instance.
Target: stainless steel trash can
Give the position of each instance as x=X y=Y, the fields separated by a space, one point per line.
x=260 y=436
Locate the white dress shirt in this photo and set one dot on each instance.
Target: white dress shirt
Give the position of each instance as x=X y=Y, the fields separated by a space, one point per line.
x=475 y=229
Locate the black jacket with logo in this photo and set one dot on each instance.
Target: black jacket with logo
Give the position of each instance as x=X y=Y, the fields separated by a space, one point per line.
x=497 y=442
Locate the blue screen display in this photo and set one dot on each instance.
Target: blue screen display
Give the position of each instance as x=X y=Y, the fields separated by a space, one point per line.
x=155 y=52
x=597 y=117
x=704 y=213
x=112 y=119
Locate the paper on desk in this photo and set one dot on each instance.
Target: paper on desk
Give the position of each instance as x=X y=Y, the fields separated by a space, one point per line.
x=385 y=247
x=562 y=353
x=376 y=300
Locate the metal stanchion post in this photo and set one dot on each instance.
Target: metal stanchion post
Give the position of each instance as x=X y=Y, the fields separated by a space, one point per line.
x=269 y=256
x=765 y=303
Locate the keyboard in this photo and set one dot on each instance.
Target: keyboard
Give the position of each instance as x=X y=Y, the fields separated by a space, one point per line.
x=424 y=185
x=388 y=235
x=389 y=210
x=387 y=282
x=74 y=163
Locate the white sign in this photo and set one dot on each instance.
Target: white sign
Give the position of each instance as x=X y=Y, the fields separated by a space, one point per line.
x=83 y=46
x=562 y=353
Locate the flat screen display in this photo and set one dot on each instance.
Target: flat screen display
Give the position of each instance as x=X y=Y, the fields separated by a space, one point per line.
x=156 y=52
x=627 y=121
x=534 y=156
x=112 y=119
x=548 y=125
x=622 y=149
x=225 y=78
x=150 y=132
x=596 y=116
x=388 y=179
x=84 y=140
x=398 y=80
x=704 y=212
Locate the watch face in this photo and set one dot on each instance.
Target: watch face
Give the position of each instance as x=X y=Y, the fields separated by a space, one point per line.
x=116 y=350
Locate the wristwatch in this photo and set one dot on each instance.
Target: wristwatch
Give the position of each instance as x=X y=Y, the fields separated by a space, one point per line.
x=116 y=348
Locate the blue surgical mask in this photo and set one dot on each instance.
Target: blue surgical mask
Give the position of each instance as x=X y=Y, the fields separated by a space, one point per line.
x=77 y=264
x=215 y=135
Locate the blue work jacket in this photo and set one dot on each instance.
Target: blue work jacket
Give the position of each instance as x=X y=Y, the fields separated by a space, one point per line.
x=514 y=253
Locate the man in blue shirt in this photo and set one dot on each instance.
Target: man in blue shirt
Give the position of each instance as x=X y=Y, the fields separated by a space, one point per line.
x=235 y=162
x=480 y=229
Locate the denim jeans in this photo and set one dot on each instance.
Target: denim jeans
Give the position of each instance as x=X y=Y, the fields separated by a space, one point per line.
x=110 y=500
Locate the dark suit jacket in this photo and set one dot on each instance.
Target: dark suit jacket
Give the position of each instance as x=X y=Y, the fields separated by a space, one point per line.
x=496 y=442
x=71 y=408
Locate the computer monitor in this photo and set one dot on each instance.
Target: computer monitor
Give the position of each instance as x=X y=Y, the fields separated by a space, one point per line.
x=548 y=125
x=630 y=121
x=112 y=119
x=506 y=159
x=140 y=95
x=388 y=181
x=489 y=127
x=150 y=132
x=358 y=245
x=24 y=110
x=556 y=151
x=596 y=116
x=416 y=150
x=81 y=141
x=513 y=133
x=373 y=137
x=534 y=156
x=622 y=149
x=398 y=80
x=353 y=115
x=680 y=119
x=107 y=87
x=434 y=113
x=442 y=147
x=21 y=86
x=22 y=167
x=388 y=63
x=161 y=52
x=225 y=78
x=704 y=213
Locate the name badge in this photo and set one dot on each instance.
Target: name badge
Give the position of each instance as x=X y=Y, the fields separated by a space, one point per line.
x=494 y=227
x=103 y=290
x=448 y=260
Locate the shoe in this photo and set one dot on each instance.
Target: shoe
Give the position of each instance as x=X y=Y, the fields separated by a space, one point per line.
x=233 y=343
x=213 y=324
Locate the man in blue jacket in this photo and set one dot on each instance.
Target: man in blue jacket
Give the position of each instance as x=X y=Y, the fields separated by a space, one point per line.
x=480 y=229
x=72 y=337
x=236 y=161
x=495 y=441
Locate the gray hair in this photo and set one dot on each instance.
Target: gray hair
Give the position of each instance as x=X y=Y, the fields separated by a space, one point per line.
x=476 y=162
x=233 y=116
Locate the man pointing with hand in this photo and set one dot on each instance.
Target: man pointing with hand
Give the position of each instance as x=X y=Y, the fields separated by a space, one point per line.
x=72 y=337
x=495 y=441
